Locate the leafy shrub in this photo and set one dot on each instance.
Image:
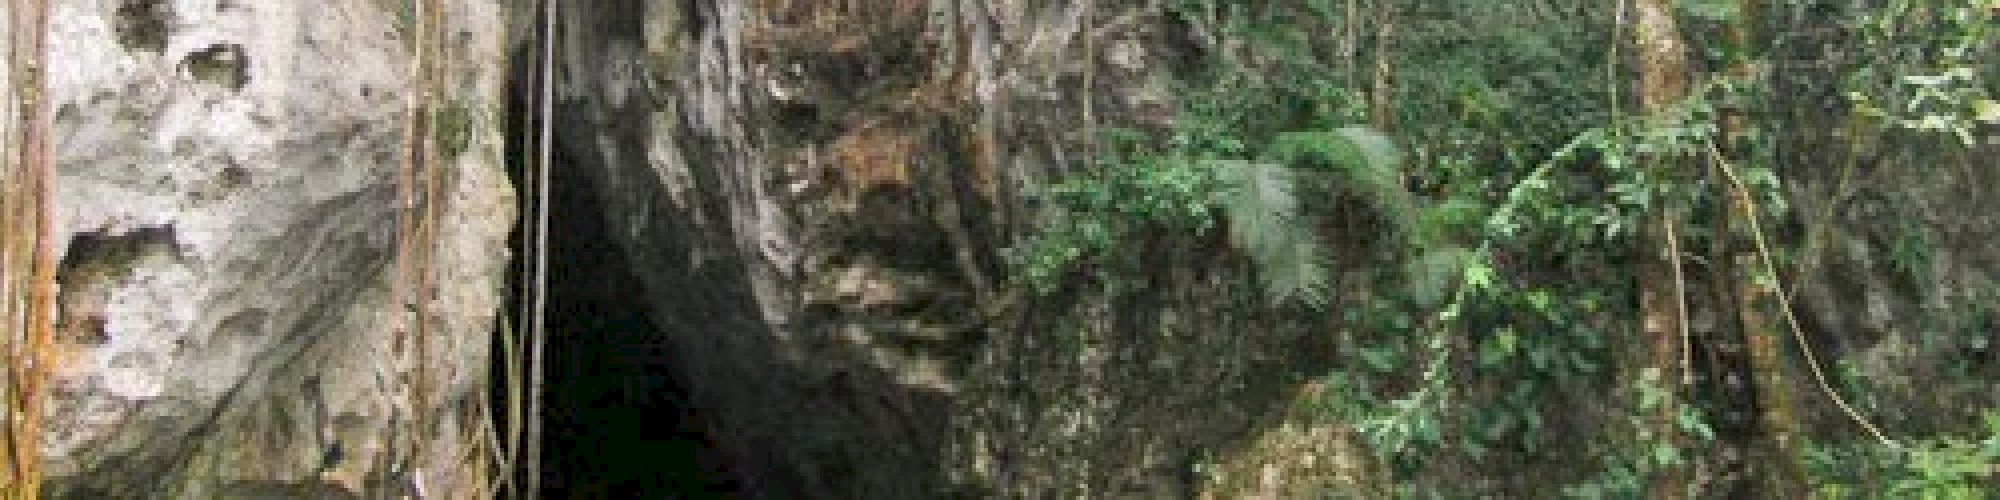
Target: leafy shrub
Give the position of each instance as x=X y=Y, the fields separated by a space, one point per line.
x=1942 y=468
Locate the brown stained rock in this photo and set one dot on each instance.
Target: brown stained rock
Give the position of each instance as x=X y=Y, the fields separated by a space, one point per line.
x=818 y=195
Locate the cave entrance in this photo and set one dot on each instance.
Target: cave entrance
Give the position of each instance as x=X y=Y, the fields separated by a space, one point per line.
x=616 y=421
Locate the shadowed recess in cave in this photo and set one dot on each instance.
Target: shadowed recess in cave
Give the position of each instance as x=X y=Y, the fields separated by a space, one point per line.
x=616 y=422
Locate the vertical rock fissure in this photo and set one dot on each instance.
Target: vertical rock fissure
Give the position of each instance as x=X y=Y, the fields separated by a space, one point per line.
x=615 y=417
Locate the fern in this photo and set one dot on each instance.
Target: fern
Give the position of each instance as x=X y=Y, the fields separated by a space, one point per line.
x=1257 y=200
x=1264 y=220
x=1368 y=163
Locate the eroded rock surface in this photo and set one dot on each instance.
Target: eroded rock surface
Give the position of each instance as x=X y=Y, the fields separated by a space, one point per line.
x=227 y=212
x=818 y=195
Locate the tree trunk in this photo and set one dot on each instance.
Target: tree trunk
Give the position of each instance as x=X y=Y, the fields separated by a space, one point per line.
x=1778 y=454
x=1380 y=109
x=1774 y=452
x=1663 y=70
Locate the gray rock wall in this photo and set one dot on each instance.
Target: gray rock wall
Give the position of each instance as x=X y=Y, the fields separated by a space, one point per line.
x=818 y=195
x=227 y=210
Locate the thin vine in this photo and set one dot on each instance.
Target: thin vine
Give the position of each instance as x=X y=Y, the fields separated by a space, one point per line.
x=28 y=263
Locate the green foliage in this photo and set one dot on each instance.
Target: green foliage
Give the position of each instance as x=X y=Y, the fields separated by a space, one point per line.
x=1942 y=468
x=1203 y=178
x=1505 y=185
x=1264 y=220
x=1929 y=66
x=1710 y=10
x=1094 y=217
x=1365 y=160
x=1497 y=90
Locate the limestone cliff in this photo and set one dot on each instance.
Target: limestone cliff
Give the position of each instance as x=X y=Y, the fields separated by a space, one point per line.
x=816 y=198
x=817 y=195
x=227 y=217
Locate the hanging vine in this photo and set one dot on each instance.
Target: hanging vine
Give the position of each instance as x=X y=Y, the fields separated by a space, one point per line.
x=419 y=185
x=26 y=254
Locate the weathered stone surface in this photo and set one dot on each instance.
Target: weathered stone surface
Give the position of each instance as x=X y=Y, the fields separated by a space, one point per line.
x=1898 y=278
x=817 y=195
x=226 y=214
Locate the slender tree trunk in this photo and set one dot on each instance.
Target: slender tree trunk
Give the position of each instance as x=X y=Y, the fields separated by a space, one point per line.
x=1778 y=453
x=1733 y=398
x=1663 y=71
x=1383 y=88
x=1776 y=446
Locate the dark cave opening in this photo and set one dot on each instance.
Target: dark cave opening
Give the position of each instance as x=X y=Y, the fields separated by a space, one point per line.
x=615 y=416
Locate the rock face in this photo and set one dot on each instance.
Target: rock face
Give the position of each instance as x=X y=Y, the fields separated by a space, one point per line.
x=818 y=195
x=1899 y=278
x=232 y=315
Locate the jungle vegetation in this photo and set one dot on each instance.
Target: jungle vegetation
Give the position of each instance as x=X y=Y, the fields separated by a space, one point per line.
x=1572 y=238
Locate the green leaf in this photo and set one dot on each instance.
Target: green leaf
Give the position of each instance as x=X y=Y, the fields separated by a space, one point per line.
x=1432 y=274
x=1478 y=275
x=1500 y=348
x=1666 y=454
x=1507 y=341
x=1370 y=164
x=1986 y=110
x=1265 y=222
x=1379 y=359
x=1380 y=150
x=1691 y=422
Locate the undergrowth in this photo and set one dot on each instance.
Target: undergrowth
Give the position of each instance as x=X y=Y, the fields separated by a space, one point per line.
x=1469 y=186
x=1944 y=468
